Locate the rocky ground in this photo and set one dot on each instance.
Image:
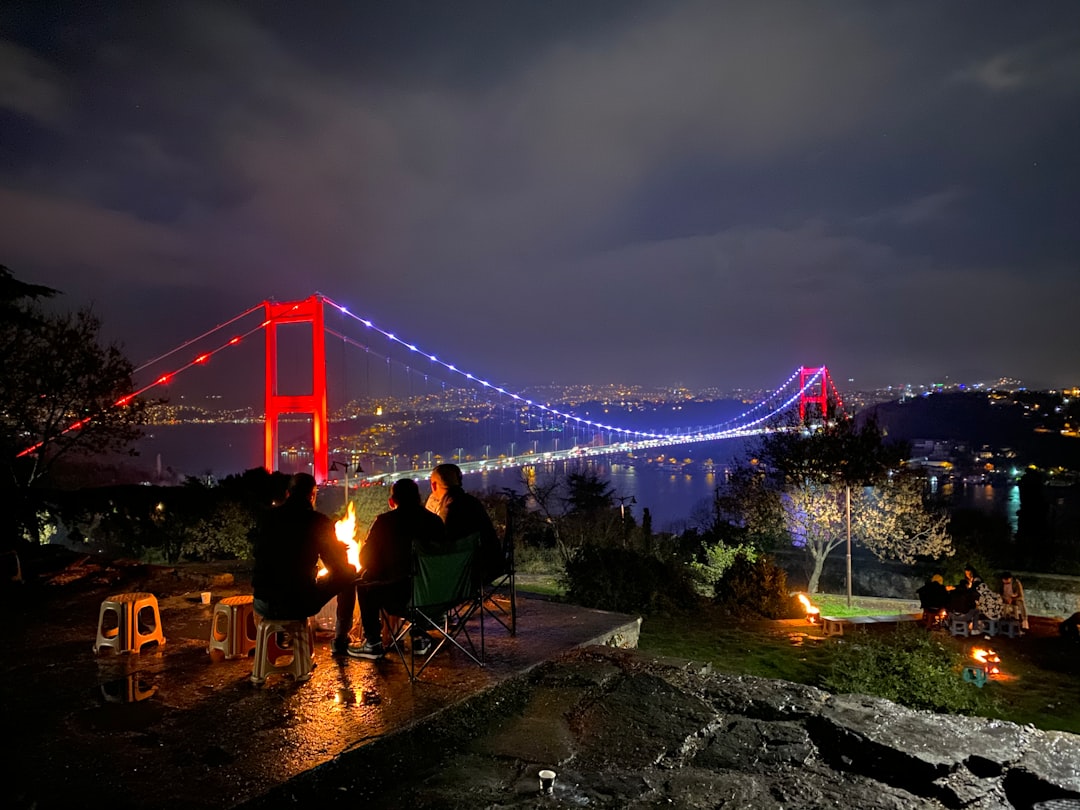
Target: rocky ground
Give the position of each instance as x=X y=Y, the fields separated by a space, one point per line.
x=624 y=730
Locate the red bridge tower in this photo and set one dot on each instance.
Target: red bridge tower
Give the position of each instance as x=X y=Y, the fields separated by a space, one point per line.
x=310 y=310
x=809 y=396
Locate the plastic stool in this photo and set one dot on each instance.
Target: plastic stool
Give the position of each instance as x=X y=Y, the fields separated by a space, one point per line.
x=959 y=625
x=975 y=675
x=299 y=649
x=1009 y=627
x=832 y=627
x=119 y=622
x=233 y=628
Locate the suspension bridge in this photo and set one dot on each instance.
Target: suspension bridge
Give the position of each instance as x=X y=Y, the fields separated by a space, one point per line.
x=456 y=413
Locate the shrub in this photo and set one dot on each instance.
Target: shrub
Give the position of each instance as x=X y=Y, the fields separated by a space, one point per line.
x=719 y=557
x=755 y=586
x=536 y=560
x=909 y=667
x=622 y=580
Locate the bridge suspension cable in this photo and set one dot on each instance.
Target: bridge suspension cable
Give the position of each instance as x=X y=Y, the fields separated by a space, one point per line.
x=764 y=411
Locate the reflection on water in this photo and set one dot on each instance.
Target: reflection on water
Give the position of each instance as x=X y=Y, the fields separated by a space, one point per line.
x=1002 y=499
x=672 y=498
x=345 y=696
x=676 y=497
x=669 y=495
x=130 y=689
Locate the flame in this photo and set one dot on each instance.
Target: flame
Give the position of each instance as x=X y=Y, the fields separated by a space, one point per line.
x=989 y=659
x=812 y=612
x=345 y=530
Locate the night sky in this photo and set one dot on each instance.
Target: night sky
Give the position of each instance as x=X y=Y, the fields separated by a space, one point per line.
x=697 y=193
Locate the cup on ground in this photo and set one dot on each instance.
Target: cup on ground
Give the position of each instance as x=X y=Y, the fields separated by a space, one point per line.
x=547 y=781
x=205 y=597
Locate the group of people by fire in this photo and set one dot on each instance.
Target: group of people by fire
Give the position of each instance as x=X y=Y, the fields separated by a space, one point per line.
x=294 y=538
x=971 y=595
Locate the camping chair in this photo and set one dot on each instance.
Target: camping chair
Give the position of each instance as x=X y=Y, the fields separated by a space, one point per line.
x=445 y=595
x=500 y=594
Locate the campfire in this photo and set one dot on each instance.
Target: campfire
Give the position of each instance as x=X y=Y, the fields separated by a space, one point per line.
x=812 y=613
x=989 y=660
x=345 y=529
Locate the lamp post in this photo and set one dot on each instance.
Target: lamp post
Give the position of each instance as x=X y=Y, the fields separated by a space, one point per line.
x=622 y=499
x=344 y=467
x=847 y=505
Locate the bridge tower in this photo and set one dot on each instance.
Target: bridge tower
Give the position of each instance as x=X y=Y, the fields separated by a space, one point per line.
x=309 y=310
x=809 y=397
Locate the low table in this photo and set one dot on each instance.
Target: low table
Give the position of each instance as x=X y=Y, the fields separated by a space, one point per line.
x=834 y=625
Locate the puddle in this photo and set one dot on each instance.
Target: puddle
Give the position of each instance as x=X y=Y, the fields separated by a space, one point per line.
x=801 y=639
x=129 y=689
x=125 y=704
x=357 y=697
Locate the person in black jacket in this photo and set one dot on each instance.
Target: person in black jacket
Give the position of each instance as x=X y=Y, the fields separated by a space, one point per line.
x=289 y=544
x=386 y=563
x=933 y=598
x=464 y=515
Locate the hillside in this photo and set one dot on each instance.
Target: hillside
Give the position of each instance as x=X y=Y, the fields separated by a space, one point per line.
x=978 y=420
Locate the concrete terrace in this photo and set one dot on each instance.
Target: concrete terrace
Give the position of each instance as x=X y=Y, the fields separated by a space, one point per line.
x=178 y=727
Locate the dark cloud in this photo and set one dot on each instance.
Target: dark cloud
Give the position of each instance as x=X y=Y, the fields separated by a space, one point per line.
x=696 y=192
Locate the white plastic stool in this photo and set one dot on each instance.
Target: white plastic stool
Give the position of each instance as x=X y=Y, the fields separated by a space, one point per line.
x=233 y=629
x=298 y=648
x=121 y=621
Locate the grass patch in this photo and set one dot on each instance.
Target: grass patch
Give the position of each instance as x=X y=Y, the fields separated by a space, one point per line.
x=738 y=648
x=542 y=584
x=836 y=606
x=1038 y=684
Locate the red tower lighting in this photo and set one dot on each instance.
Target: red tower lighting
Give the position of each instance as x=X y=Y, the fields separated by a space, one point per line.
x=310 y=310
x=808 y=395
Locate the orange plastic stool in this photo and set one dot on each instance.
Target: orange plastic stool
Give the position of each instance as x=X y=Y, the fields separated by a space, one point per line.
x=121 y=621
x=233 y=629
x=297 y=648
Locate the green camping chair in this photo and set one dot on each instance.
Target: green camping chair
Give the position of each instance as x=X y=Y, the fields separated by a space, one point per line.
x=446 y=593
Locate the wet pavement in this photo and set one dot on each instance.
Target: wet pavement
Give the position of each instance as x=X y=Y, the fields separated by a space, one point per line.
x=179 y=726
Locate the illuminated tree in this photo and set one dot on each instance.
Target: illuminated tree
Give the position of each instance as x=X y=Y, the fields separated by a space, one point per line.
x=890 y=519
x=814 y=517
x=839 y=453
x=893 y=522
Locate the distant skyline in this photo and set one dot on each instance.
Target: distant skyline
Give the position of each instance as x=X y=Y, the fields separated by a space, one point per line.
x=694 y=193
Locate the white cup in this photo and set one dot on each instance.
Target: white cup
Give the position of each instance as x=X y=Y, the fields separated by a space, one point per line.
x=205 y=596
x=547 y=781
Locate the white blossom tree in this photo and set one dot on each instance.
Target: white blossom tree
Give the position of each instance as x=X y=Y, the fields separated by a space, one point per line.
x=814 y=518
x=893 y=522
x=890 y=519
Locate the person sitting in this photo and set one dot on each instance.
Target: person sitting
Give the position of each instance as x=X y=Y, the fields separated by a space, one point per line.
x=465 y=515
x=933 y=598
x=289 y=543
x=963 y=597
x=1012 y=595
x=386 y=566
